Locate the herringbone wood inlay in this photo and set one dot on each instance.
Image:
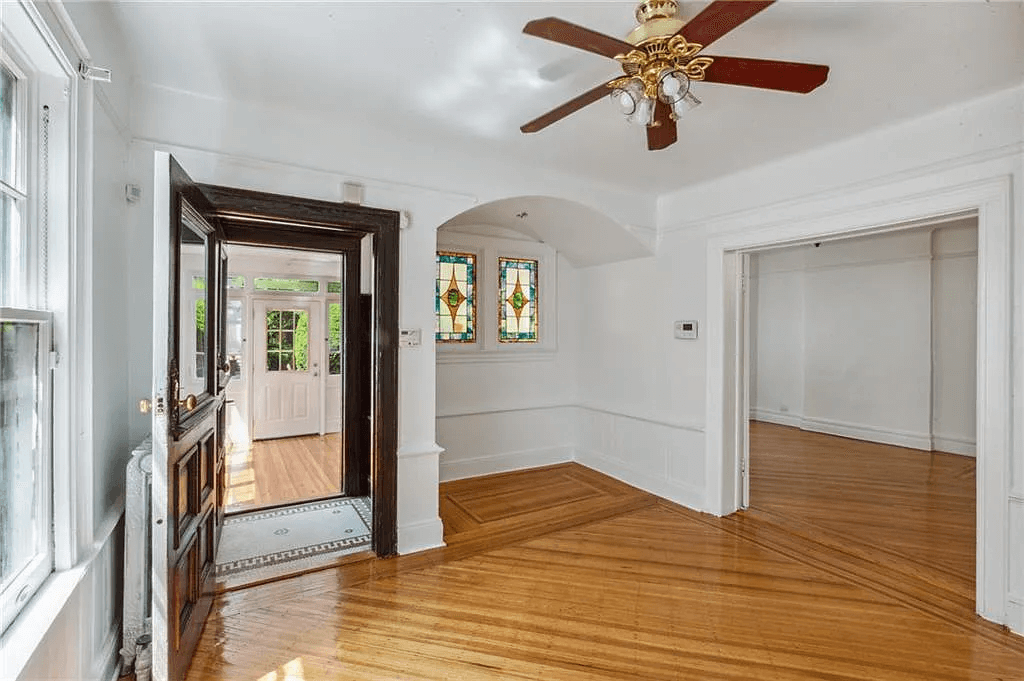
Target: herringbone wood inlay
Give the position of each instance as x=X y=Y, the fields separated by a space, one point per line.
x=632 y=588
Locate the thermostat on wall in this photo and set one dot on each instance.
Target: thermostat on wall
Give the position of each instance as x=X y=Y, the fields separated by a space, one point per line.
x=410 y=338
x=686 y=330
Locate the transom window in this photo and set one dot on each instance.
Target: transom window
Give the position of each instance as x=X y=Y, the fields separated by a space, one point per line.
x=289 y=285
x=287 y=340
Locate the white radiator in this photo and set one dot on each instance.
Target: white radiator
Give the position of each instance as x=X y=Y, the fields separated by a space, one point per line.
x=137 y=552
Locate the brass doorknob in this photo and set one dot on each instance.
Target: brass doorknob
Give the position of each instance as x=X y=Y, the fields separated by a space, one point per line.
x=226 y=367
x=145 y=406
x=189 y=402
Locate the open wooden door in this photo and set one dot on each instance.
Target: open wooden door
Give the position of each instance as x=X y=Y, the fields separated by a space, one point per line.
x=188 y=430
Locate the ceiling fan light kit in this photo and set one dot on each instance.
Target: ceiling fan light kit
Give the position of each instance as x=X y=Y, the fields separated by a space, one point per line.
x=660 y=63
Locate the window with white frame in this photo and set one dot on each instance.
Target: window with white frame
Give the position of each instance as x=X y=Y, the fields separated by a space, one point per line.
x=35 y=312
x=26 y=555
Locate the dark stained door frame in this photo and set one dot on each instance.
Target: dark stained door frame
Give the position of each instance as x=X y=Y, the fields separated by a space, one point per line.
x=262 y=219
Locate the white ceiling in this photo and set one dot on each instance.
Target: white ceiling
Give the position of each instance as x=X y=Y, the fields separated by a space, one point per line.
x=583 y=235
x=463 y=75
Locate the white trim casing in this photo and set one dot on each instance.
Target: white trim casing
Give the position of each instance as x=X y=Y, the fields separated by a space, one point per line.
x=984 y=187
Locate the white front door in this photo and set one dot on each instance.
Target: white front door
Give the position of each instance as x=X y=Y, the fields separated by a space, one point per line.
x=286 y=367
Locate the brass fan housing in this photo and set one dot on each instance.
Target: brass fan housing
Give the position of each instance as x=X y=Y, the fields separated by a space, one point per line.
x=656 y=19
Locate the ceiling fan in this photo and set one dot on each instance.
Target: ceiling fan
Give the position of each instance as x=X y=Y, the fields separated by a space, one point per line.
x=662 y=56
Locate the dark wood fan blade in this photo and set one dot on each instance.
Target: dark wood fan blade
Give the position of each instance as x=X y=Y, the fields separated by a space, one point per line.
x=572 y=106
x=662 y=132
x=566 y=33
x=789 y=76
x=719 y=18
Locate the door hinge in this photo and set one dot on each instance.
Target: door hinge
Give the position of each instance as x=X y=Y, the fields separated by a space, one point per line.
x=54 y=359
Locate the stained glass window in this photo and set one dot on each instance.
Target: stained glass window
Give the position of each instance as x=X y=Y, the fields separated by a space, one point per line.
x=517 y=300
x=455 y=300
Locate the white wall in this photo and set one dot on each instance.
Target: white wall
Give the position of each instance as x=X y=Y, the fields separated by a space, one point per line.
x=858 y=362
x=641 y=390
x=510 y=407
x=954 y=338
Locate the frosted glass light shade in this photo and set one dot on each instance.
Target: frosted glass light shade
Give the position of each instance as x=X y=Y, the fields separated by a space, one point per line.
x=673 y=86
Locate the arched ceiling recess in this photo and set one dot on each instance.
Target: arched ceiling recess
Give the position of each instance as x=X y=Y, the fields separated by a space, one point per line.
x=583 y=235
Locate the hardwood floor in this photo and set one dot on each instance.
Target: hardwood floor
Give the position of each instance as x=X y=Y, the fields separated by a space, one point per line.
x=611 y=584
x=282 y=471
x=910 y=510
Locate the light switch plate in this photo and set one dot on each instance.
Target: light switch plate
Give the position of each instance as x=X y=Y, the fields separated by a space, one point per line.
x=686 y=329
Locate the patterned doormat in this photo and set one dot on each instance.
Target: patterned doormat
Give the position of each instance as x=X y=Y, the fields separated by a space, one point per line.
x=264 y=545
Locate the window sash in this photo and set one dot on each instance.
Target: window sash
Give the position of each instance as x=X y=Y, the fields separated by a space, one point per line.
x=18 y=589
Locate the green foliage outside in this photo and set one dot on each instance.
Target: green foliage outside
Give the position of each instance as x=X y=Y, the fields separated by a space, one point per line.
x=200 y=324
x=334 y=338
x=302 y=341
x=297 y=285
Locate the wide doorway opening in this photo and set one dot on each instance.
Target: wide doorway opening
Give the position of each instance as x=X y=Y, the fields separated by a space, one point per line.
x=862 y=398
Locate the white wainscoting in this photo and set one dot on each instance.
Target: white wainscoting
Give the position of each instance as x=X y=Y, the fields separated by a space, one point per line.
x=499 y=440
x=83 y=640
x=659 y=456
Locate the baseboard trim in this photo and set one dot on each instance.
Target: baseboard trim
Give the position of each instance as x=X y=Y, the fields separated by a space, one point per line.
x=504 y=462
x=954 y=445
x=421 y=536
x=900 y=438
x=776 y=417
x=1015 y=614
x=671 y=490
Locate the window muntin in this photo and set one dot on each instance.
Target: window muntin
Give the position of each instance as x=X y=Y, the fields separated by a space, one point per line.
x=287 y=340
x=455 y=298
x=517 y=300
